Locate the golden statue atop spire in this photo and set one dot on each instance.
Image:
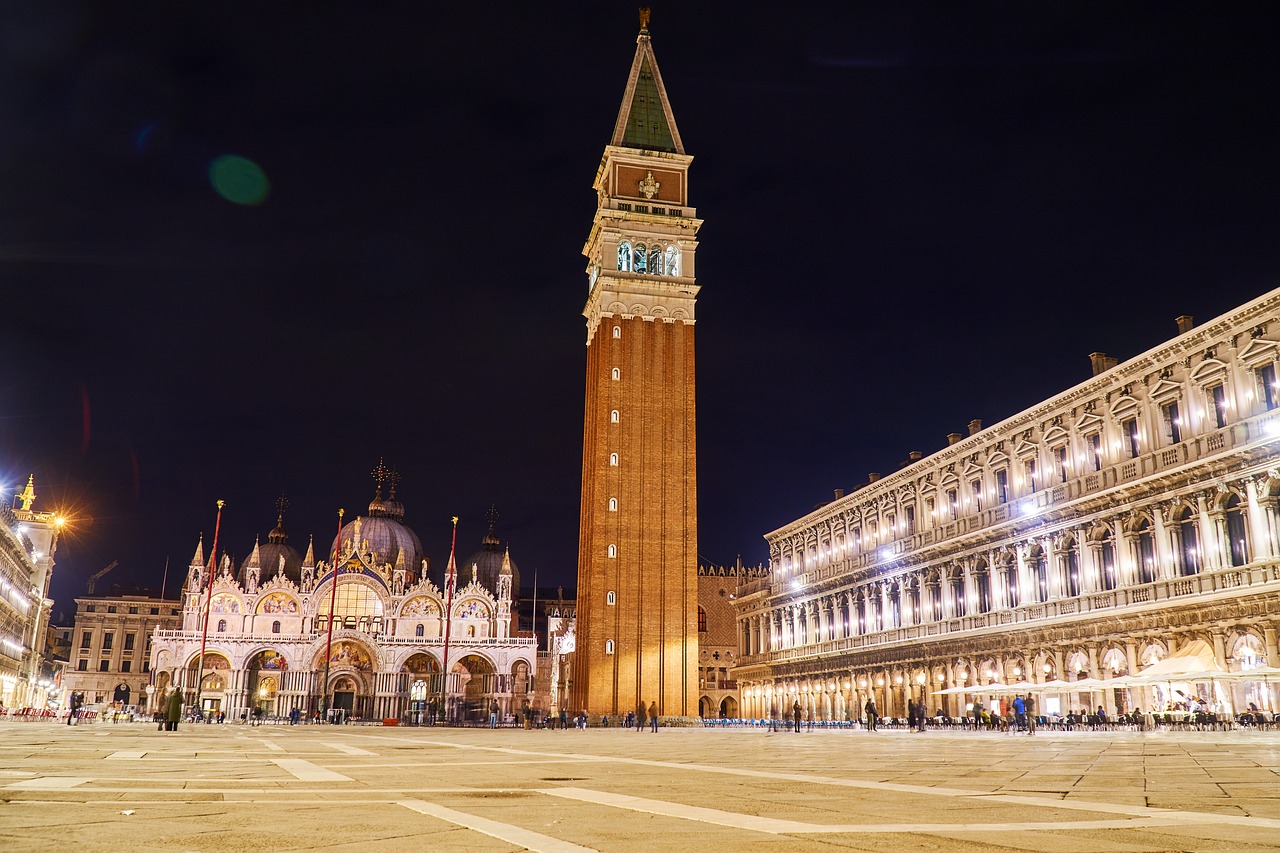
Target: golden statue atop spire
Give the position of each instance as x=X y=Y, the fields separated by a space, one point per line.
x=28 y=496
x=644 y=19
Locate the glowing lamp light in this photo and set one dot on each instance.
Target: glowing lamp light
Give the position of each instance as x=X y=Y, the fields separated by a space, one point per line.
x=879 y=682
x=1272 y=428
x=886 y=554
x=1027 y=508
x=59 y=521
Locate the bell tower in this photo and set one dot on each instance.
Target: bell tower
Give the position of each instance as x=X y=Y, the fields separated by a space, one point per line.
x=637 y=631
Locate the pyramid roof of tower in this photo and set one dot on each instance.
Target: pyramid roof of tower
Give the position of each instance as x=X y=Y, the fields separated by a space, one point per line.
x=645 y=120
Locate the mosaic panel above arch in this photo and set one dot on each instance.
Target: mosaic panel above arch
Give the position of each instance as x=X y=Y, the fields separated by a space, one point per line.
x=278 y=602
x=225 y=603
x=471 y=609
x=420 y=606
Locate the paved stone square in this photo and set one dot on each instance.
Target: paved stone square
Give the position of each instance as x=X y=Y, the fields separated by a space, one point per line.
x=236 y=788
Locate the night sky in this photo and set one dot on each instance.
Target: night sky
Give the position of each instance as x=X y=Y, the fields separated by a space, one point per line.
x=916 y=214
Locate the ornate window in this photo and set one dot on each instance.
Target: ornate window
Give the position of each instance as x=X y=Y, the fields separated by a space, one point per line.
x=672 y=260
x=639 y=258
x=420 y=630
x=1094 y=442
x=1238 y=545
x=975 y=488
x=656 y=260
x=275 y=627
x=1218 y=401
x=1172 y=422
x=702 y=620
x=1146 y=552
x=1129 y=427
x=1189 y=532
x=624 y=256
x=1002 y=485
x=1073 y=568
x=222 y=625
x=1107 y=562
x=1266 y=379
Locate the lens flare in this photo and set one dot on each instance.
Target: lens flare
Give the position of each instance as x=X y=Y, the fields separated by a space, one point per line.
x=239 y=180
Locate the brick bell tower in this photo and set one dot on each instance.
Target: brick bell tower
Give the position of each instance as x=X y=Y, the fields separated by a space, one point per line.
x=637 y=631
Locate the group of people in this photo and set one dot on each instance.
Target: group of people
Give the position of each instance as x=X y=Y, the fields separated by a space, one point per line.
x=1020 y=715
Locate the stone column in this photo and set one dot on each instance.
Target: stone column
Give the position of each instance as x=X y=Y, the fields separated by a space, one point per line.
x=1258 y=533
x=1166 y=556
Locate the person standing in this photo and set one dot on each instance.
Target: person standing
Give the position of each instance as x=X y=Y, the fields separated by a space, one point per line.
x=911 y=714
x=1020 y=712
x=642 y=715
x=175 y=709
x=493 y=714
x=653 y=716
x=873 y=716
x=773 y=717
x=75 y=708
x=795 y=716
x=1031 y=713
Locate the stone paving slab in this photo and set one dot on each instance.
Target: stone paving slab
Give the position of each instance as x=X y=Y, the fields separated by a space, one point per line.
x=218 y=788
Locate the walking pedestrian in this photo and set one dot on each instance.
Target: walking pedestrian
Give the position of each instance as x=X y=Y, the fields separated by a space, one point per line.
x=564 y=719
x=911 y=714
x=653 y=716
x=642 y=714
x=873 y=717
x=773 y=717
x=175 y=709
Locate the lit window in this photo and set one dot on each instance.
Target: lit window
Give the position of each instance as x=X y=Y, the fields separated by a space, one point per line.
x=702 y=620
x=1266 y=377
x=624 y=256
x=673 y=260
x=639 y=257
x=1130 y=429
x=613 y=504
x=611 y=598
x=1094 y=442
x=976 y=488
x=616 y=374
x=656 y=260
x=608 y=647
x=613 y=416
x=1218 y=394
x=613 y=460
x=613 y=551
x=1172 y=423
x=617 y=331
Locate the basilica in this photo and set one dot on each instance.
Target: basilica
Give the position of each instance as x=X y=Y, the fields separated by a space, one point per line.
x=365 y=631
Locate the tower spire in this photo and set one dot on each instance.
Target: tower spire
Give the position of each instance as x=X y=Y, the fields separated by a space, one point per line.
x=645 y=120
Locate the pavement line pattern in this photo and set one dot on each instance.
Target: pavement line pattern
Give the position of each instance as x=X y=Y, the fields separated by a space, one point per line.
x=1183 y=816
x=502 y=831
x=127 y=754
x=49 y=783
x=305 y=771
x=349 y=750
x=790 y=827
x=272 y=745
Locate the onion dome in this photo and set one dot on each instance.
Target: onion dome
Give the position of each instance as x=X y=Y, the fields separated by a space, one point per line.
x=381 y=534
x=267 y=557
x=488 y=562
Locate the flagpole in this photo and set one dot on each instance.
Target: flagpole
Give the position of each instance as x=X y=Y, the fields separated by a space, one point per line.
x=164 y=582
x=208 y=598
x=451 y=578
x=328 y=646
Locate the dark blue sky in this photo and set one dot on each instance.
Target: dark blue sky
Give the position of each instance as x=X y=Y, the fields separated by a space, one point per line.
x=916 y=214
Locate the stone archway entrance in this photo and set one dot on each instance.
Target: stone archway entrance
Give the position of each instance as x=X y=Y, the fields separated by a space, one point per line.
x=477 y=683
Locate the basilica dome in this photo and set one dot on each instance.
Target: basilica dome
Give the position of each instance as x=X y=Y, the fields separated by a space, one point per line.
x=267 y=557
x=488 y=562
x=384 y=533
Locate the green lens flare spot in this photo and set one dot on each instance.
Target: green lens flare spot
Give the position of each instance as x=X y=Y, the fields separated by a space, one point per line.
x=239 y=180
